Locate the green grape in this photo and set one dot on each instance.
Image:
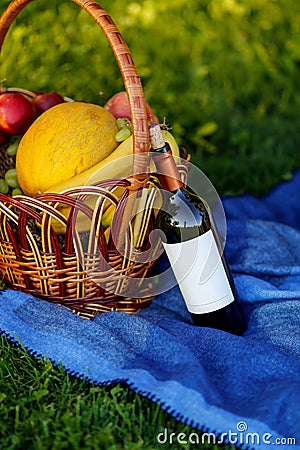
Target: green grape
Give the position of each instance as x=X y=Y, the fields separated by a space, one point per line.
x=123 y=134
x=12 y=148
x=16 y=191
x=3 y=186
x=123 y=122
x=11 y=178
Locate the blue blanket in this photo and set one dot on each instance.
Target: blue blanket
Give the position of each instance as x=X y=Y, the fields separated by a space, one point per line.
x=241 y=390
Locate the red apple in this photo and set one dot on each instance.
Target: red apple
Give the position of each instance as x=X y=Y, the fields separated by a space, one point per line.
x=3 y=137
x=16 y=113
x=44 y=101
x=118 y=105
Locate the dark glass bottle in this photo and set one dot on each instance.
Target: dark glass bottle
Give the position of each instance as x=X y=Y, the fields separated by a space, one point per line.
x=193 y=248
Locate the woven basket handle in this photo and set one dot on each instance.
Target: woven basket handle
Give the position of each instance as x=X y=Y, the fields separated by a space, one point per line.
x=132 y=82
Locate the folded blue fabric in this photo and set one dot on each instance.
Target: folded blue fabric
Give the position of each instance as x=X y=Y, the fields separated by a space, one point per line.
x=244 y=390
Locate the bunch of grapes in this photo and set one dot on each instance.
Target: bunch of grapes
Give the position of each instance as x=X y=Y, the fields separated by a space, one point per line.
x=9 y=183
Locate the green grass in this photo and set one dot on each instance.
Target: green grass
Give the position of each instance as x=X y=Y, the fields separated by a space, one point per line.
x=230 y=90
x=42 y=407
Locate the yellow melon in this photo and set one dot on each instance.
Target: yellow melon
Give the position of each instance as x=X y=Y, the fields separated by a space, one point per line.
x=64 y=141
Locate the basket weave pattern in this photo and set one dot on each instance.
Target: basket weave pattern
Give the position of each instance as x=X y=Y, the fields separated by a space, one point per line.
x=64 y=268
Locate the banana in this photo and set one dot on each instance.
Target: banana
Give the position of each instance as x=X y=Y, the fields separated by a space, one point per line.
x=83 y=223
x=105 y=169
x=107 y=234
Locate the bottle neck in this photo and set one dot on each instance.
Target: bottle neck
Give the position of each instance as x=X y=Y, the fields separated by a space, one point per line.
x=166 y=167
x=162 y=155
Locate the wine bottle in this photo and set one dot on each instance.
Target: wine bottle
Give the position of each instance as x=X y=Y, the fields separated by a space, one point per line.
x=193 y=247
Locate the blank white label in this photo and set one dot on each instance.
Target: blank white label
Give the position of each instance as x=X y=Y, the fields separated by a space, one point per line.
x=200 y=274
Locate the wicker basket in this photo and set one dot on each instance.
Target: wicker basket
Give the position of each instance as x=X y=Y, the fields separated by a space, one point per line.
x=85 y=273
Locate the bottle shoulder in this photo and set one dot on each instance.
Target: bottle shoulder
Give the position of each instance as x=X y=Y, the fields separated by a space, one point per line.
x=183 y=216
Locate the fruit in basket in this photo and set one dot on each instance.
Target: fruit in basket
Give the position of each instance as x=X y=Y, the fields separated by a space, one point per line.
x=63 y=142
x=11 y=178
x=17 y=113
x=119 y=106
x=4 y=188
x=125 y=129
x=110 y=167
x=82 y=222
x=43 y=102
x=13 y=147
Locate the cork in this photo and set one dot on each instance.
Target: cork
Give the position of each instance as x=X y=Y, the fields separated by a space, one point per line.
x=156 y=136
